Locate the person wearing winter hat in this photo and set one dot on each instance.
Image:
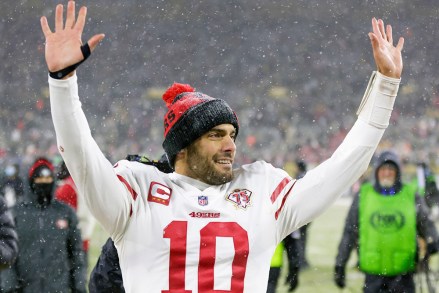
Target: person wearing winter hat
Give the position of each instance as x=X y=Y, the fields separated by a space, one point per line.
x=383 y=224
x=207 y=226
x=190 y=115
x=50 y=257
x=42 y=180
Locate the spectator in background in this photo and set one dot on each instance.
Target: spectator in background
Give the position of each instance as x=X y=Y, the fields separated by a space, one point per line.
x=303 y=262
x=50 y=257
x=12 y=188
x=383 y=224
x=67 y=192
x=8 y=237
x=294 y=244
x=425 y=183
x=106 y=276
x=275 y=268
x=291 y=244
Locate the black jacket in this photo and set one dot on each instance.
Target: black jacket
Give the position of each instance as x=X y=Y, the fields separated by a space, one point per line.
x=106 y=275
x=50 y=256
x=8 y=236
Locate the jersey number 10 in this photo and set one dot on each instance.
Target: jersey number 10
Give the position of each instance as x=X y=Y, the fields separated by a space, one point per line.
x=176 y=231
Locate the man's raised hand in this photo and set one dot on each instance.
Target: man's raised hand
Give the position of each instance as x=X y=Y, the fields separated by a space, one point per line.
x=387 y=57
x=63 y=47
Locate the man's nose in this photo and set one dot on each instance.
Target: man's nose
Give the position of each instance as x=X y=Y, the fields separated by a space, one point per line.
x=229 y=144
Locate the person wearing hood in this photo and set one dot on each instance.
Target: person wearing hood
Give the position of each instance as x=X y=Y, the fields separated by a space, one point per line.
x=383 y=224
x=50 y=257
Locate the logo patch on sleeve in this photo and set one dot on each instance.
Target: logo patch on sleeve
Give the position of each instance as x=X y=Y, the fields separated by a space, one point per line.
x=240 y=197
x=159 y=193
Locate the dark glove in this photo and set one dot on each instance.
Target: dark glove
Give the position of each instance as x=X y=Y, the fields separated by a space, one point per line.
x=293 y=280
x=339 y=277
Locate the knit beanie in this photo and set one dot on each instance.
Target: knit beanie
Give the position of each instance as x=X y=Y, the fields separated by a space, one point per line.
x=190 y=115
x=41 y=167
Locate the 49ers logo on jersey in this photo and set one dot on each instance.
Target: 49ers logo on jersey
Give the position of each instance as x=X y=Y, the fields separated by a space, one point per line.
x=159 y=193
x=240 y=197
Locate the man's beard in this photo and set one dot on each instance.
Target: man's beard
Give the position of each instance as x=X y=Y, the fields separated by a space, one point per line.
x=205 y=169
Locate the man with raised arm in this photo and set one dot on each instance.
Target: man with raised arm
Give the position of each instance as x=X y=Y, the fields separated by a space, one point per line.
x=206 y=227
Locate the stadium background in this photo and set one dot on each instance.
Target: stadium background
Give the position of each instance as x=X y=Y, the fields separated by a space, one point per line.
x=294 y=71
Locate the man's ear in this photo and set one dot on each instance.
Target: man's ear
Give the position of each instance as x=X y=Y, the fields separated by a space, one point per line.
x=180 y=161
x=181 y=154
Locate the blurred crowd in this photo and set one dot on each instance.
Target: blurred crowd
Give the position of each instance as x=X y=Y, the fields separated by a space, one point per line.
x=295 y=74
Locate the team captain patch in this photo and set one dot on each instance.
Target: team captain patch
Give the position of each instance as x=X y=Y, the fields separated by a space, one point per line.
x=159 y=193
x=240 y=197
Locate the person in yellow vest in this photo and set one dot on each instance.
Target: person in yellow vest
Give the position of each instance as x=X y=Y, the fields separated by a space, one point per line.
x=383 y=224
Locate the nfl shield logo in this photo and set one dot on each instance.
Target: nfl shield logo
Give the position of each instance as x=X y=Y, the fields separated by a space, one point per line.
x=202 y=200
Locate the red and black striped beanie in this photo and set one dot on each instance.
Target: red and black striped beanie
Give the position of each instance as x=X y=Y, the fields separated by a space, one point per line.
x=190 y=115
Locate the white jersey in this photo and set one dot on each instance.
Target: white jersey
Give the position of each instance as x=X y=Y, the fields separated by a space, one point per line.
x=175 y=234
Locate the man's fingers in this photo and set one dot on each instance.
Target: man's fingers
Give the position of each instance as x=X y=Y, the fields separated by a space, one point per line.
x=389 y=34
x=45 y=26
x=59 y=17
x=373 y=39
x=95 y=40
x=70 y=19
x=375 y=27
x=381 y=27
x=400 y=45
x=80 y=22
x=378 y=28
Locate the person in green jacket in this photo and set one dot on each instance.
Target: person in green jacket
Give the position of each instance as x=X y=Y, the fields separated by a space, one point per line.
x=50 y=257
x=383 y=224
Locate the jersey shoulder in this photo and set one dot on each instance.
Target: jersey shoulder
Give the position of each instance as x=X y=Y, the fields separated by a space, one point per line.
x=127 y=168
x=261 y=168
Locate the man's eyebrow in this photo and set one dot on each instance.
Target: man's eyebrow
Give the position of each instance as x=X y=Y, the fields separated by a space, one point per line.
x=222 y=131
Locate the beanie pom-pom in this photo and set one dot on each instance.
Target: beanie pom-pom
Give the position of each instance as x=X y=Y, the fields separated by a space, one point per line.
x=174 y=90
